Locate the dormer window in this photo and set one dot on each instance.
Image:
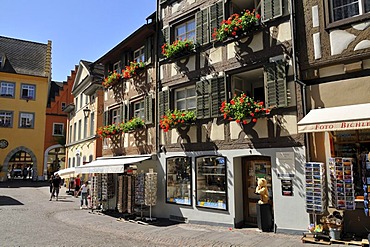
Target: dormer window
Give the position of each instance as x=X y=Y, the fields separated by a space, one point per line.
x=139 y=55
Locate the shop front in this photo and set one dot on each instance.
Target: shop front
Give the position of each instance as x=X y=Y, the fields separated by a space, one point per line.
x=339 y=148
x=127 y=184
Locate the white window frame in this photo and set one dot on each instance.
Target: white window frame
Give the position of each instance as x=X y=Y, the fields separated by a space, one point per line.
x=76 y=103
x=81 y=100
x=186 y=99
x=54 y=128
x=117 y=67
x=187 y=32
x=29 y=117
x=79 y=129
x=7 y=86
x=361 y=9
x=4 y=115
x=85 y=127
x=31 y=91
x=74 y=131
x=116 y=116
x=92 y=123
x=139 y=109
x=139 y=54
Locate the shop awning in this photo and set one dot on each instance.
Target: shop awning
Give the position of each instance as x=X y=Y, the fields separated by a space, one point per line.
x=110 y=165
x=350 y=117
x=66 y=173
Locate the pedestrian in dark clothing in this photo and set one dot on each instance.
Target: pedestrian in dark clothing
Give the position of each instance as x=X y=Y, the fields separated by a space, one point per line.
x=56 y=186
x=51 y=183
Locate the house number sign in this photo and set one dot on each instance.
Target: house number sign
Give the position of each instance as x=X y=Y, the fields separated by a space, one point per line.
x=3 y=143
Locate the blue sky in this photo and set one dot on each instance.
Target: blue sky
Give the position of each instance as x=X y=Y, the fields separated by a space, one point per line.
x=78 y=29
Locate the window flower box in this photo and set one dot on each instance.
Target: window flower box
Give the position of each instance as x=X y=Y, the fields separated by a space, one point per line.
x=243 y=109
x=112 y=79
x=176 y=118
x=178 y=48
x=133 y=69
x=134 y=124
x=110 y=130
x=237 y=25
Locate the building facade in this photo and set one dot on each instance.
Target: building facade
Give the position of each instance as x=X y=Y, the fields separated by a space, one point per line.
x=56 y=122
x=23 y=98
x=85 y=115
x=210 y=165
x=335 y=65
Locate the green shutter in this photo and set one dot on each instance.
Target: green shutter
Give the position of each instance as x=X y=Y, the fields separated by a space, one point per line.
x=202 y=32
x=122 y=112
x=163 y=102
x=106 y=69
x=271 y=9
x=216 y=14
x=105 y=118
x=275 y=78
x=148 y=50
x=166 y=35
x=148 y=109
x=218 y=95
x=203 y=99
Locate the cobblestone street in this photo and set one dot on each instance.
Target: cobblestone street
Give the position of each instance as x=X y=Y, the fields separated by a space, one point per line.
x=30 y=219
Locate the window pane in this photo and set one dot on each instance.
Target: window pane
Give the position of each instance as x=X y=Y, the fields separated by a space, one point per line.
x=345 y=8
x=211 y=182
x=367 y=6
x=6 y=119
x=180 y=94
x=180 y=30
x=179 y=180
x=26 y=120
x=190 y=92
x=192 y=104
x=181 y=105
x=191 y=25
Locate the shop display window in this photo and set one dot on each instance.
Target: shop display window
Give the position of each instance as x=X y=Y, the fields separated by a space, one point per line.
x=211 y=182
x=179 y=180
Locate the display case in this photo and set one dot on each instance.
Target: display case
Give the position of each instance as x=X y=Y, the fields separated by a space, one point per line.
x=365 y=166
x=315 y=188
x=211 y=182
x=341 y=183
x=179 y=180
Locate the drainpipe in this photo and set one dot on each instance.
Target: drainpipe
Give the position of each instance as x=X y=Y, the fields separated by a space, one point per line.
x=295 y=72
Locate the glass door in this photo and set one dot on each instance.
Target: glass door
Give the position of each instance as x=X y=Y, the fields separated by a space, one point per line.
x=254 y=168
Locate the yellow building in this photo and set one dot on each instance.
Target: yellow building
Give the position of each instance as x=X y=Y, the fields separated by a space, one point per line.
x=25 y=69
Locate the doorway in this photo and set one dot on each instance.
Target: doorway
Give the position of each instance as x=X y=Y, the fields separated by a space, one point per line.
x=254 y=167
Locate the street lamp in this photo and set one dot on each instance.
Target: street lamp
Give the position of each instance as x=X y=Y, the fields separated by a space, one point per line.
x=86 y=112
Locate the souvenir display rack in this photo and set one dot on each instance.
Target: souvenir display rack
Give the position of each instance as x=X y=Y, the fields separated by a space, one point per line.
x=145 y=192
x=342 y=186
x=365 y=165
x=315 y=188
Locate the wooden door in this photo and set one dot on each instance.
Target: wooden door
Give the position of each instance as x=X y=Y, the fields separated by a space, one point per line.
x=253 y=168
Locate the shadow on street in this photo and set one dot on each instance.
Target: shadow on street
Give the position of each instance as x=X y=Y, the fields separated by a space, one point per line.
x=18 y=183
x=9 y=201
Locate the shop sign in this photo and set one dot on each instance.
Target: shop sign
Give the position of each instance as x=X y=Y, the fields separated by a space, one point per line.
x=345 y=125
x=286 y=187
x=285 y=165
x=3 y=143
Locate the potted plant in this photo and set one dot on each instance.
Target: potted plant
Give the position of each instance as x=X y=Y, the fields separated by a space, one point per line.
x=110 y=130
x=134 y=124
x=111 y=79
x=176 y=118
x=243 y=109
x=178 y=48
x=237 y=24
x=133 y=69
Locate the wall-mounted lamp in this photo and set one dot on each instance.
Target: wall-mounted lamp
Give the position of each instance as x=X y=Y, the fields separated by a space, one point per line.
x=86 y=111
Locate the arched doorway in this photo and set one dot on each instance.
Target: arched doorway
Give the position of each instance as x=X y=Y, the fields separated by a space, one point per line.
x=54 y=159
x=21 y=158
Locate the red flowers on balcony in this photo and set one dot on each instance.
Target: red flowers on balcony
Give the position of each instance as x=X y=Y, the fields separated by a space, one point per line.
x=176 y=118
x=243 y=109
x=127 y=73
x=237 y=25
x=177 y=48
x=111 y=79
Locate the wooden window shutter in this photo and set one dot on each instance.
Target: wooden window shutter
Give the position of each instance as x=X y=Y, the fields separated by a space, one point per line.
x=203 y=99
x=106 y=70
x=275 y=79
x=216 y=14
x=148 y=109
x=271 y=9
x=202 y=32
x=164 y=102
x=218 y=95
x=164 y=38
x=105 y=118
x=148 y=50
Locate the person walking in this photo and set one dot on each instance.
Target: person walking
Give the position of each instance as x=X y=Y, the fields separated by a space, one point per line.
x=56 y=186
x=85 y=190
x=51 y=184
x=77 y=185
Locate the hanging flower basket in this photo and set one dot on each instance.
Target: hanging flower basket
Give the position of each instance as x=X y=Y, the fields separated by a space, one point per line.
x=111 y=79
x=178 y=48
x=237 y=25
x=243 y=109
x=176 y=118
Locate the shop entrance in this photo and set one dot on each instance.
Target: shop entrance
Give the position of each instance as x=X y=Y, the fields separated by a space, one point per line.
x=253 y=168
